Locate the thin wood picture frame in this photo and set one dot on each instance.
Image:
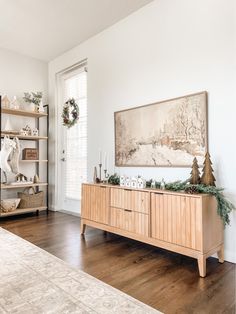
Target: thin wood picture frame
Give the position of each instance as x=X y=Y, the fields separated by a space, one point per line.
x=168 y=133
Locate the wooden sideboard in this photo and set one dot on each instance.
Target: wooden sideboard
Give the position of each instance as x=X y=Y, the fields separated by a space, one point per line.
x=184 y=223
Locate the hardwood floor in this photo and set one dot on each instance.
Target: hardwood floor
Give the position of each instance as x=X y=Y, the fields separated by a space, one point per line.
x=166 y=281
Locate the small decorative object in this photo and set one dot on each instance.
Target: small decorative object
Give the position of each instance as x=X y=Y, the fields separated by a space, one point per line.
x=34 y=99
x=153 y=184
x=26 y=131
x=7 y=147
x=95 y=175
x=134 y=182
x=70 y=113
x=30 y=154
x=191 y=189
x=14 y=104
x=23 y=132
x=31 y=200
x=141 y=183
x=20 y=178
x=36 y=179
x=99 y=179
x=106 y=175
x=207 y=176
x=114 y=179
x=195 y=174
x=40 y=107
x=5 y=102
x=128 y=182
x=15 y=156
x=163 y=185
x=35 y=132
x=8 y=127
x=122 y=180
x=9 y=205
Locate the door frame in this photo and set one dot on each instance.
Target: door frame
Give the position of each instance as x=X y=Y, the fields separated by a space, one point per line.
x=58 y=130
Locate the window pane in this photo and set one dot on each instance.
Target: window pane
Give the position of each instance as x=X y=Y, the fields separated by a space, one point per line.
x=76 y=137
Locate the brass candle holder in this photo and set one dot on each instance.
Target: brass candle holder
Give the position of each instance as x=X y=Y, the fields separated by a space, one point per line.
x=106 y=175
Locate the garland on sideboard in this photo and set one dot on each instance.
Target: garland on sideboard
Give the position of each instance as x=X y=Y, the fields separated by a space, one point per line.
x=224 y=207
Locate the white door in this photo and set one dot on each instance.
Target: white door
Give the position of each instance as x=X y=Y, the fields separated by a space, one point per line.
x=73 y=142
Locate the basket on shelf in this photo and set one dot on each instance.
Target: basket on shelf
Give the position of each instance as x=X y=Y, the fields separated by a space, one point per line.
x=9 y=205
x=36 y=199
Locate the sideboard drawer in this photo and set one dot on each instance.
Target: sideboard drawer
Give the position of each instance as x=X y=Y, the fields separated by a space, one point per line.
x=129 y=220
x=126 y=198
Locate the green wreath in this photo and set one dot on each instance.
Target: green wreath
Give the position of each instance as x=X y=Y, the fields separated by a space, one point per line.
x=70 y=113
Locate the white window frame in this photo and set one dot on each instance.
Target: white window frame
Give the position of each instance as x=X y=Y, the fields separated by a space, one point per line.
x=68 y=72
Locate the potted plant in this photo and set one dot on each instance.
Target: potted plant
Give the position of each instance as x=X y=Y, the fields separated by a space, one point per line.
x=33 y=99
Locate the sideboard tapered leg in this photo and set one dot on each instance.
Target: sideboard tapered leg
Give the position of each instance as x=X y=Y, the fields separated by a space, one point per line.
x=202 y=265
x=220 y=254
x=83 y=227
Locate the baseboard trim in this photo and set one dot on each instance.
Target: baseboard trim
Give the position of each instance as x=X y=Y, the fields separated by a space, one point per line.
x=69 y=212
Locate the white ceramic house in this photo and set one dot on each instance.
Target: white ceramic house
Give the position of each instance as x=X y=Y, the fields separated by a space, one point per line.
x=128 y=182
x=141 y=183
x=134 y=182
x=122 y=180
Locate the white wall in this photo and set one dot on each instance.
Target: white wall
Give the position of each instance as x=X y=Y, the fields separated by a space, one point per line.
x=167 y=49
x=19 y=74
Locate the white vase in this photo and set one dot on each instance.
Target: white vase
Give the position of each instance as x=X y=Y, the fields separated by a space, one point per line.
x=32 y=107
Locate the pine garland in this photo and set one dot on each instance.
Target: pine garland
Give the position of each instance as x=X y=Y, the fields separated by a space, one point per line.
x=224 y=207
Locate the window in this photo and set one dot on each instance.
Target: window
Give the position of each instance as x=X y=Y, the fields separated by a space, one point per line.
x=76 y=137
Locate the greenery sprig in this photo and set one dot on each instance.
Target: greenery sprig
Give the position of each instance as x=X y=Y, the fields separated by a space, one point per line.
x=114 y=179
x=224 y=207
x=34 y=98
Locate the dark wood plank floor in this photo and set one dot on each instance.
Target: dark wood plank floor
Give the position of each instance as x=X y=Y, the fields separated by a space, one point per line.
x=166 y=281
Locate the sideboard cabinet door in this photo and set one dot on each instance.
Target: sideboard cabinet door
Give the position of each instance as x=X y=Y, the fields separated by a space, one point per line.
x=95 y=203
x=177 y=219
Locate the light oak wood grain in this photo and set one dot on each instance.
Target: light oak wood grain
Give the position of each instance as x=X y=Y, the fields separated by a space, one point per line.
x=179 y=222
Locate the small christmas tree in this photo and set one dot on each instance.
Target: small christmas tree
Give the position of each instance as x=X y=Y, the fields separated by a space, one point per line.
x=207 y=175
x=195 y=174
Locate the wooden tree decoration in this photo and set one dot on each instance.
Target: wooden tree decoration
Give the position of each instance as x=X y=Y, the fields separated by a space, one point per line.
x=207 y=175
x=195 y=173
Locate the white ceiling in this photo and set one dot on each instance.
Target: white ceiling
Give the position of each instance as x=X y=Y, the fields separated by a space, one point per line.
x=44 y=29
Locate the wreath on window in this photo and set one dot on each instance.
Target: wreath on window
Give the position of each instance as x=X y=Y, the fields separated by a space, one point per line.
x=70 y=113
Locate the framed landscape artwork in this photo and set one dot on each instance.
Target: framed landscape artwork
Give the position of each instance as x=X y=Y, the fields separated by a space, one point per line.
x=169 y=133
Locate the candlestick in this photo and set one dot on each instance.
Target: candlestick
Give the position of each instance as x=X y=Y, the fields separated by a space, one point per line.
x=106 y=175
x=100 y=172
x=100 y=156
x=105 y=160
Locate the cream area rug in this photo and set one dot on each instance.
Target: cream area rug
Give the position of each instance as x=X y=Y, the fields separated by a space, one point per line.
x=34 y=281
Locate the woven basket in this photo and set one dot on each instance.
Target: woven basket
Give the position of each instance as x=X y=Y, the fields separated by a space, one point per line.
x=9 y=205
x=30 y=200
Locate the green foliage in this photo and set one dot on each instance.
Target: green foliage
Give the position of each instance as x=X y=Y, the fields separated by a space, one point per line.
x=34 y=98
x=224 y=207
x=114 y=179
x=70 y=113
x=176 y=186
